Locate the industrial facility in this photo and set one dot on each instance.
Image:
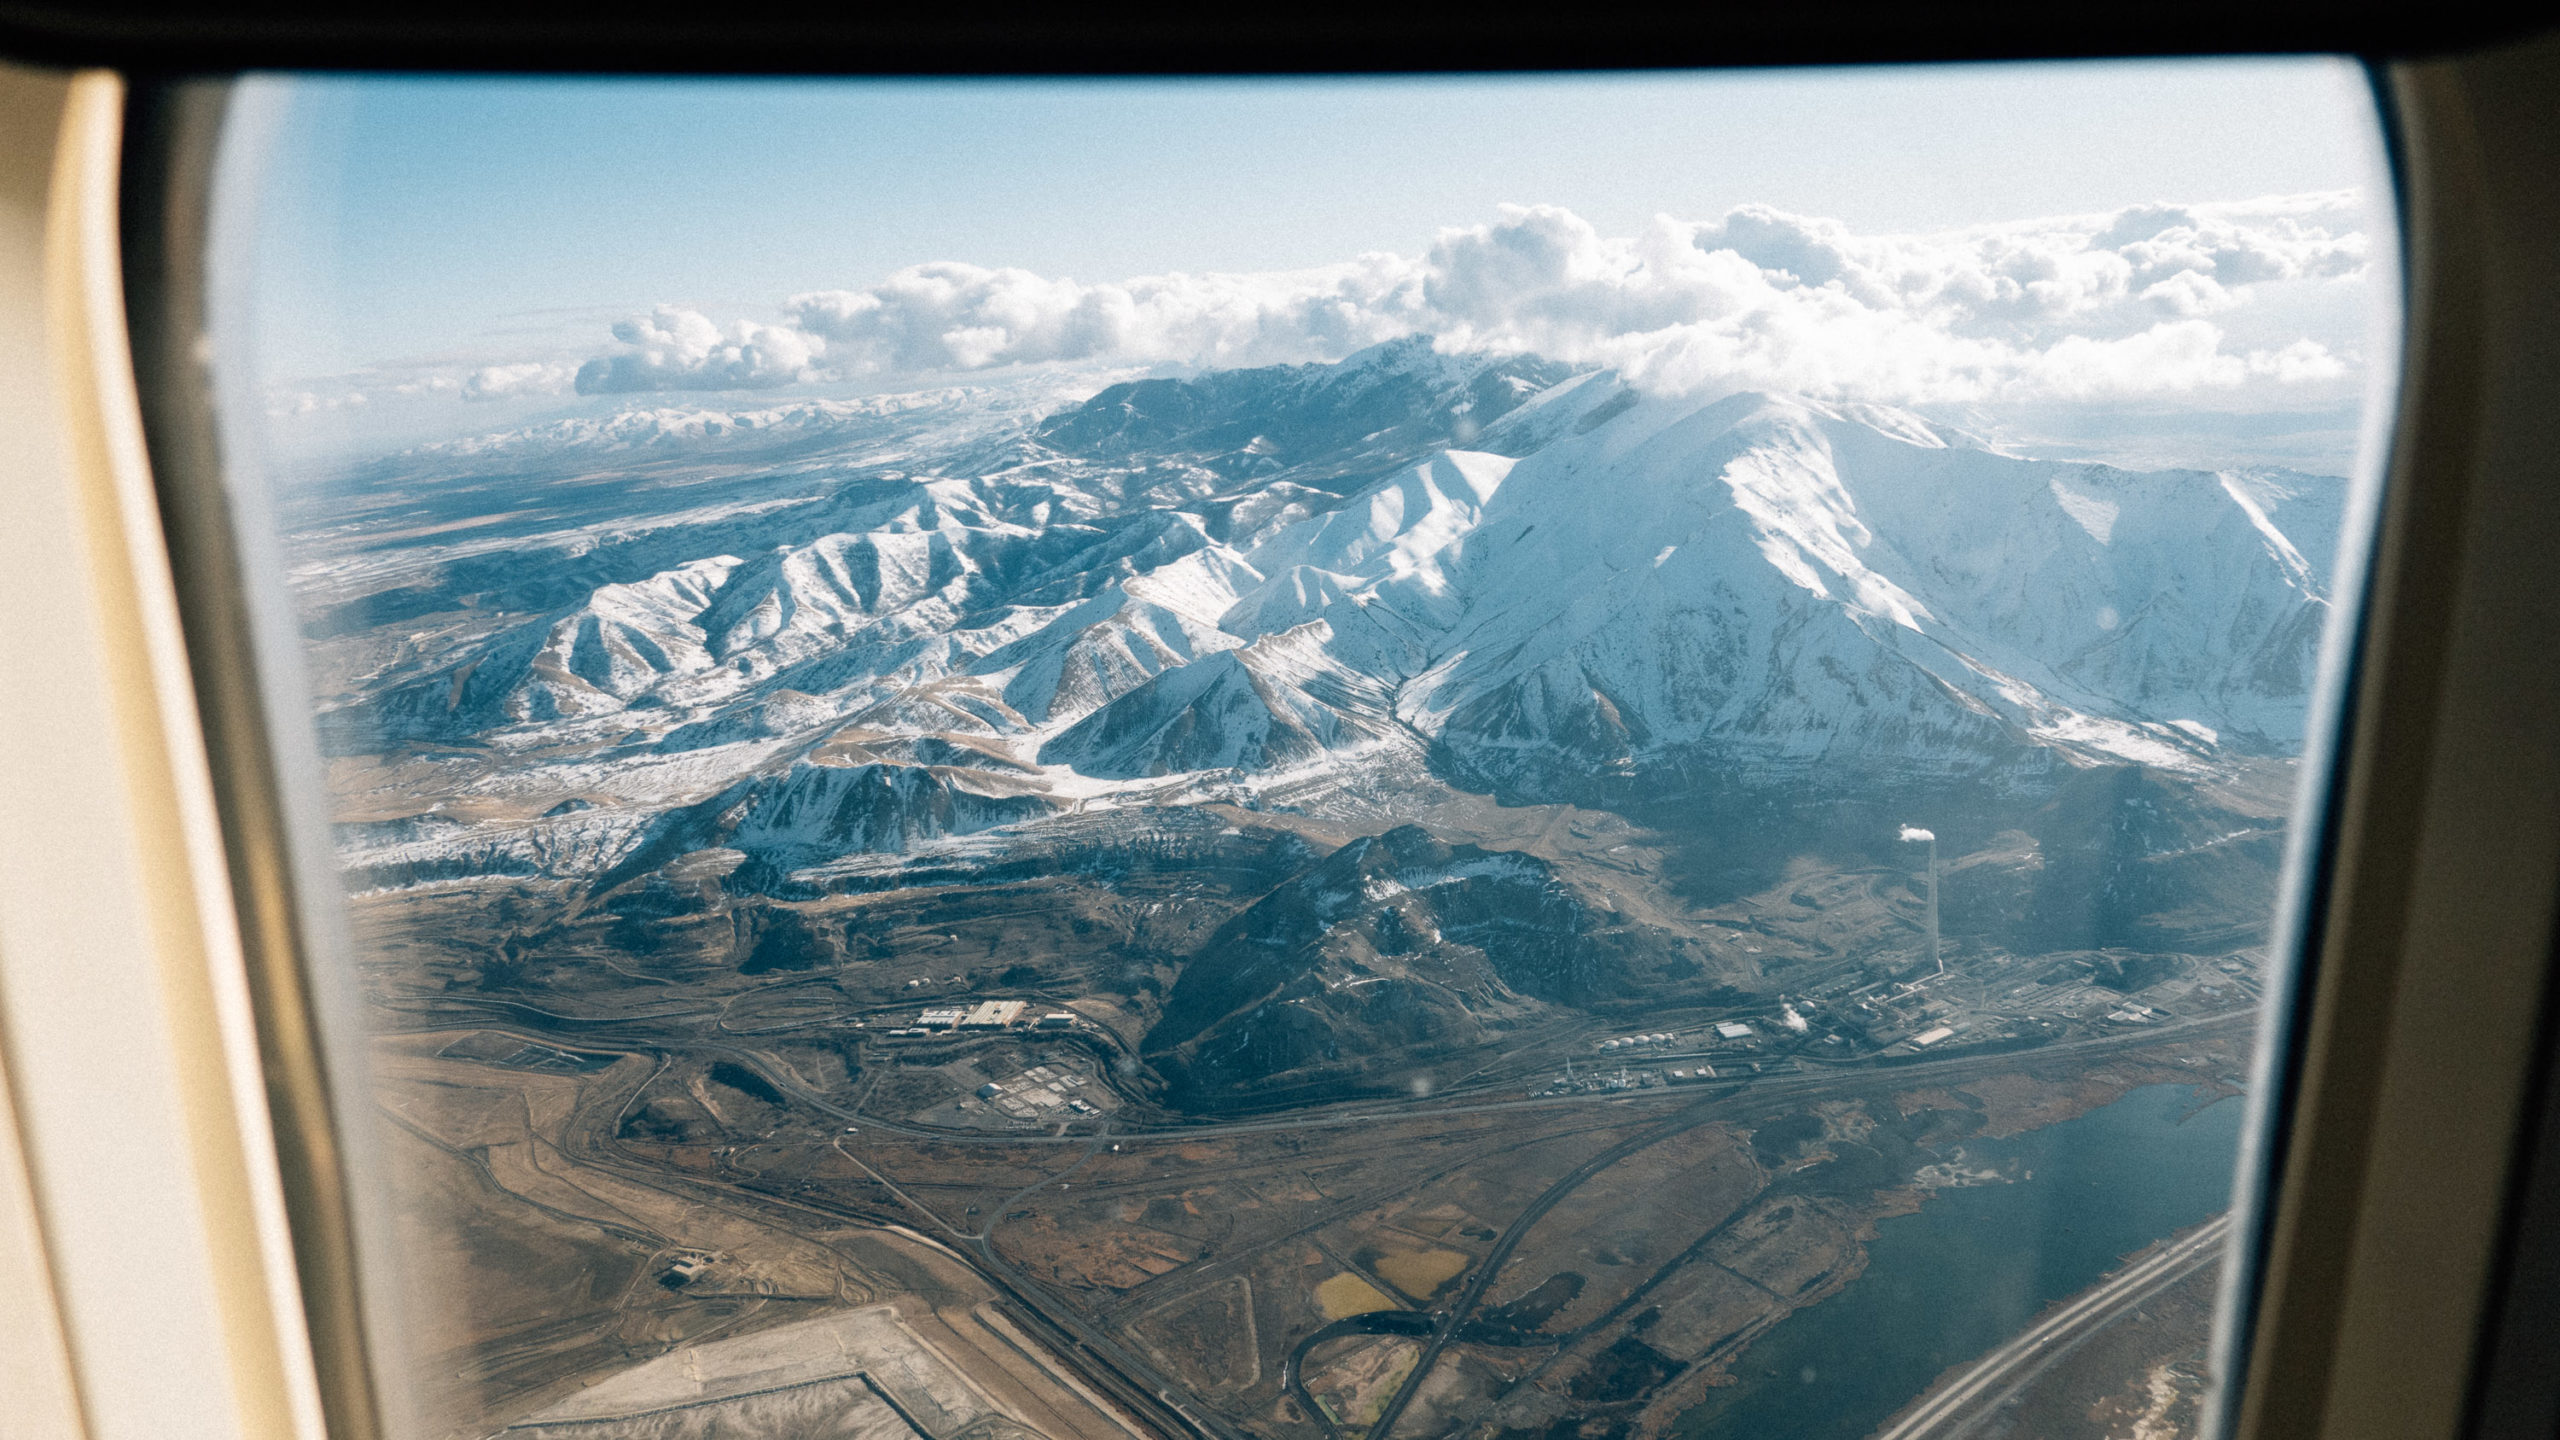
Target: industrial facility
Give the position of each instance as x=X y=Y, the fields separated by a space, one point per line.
x=991 y=1015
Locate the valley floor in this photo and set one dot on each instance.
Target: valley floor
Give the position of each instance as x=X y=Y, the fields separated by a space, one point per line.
x=1503 y=1266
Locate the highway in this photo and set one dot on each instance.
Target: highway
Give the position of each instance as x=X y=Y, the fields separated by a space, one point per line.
x=2002 y=1373
x=1827 y=1078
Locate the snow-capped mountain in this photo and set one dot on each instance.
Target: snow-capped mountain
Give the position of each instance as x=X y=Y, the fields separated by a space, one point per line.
x=1493 y=574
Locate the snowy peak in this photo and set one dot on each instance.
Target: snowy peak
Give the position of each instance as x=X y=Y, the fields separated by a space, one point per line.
x=1330 y=423
x=810 y=813
x=1282 y=700
x=1391 y=546
x=1988 y=567
x=1095 y=651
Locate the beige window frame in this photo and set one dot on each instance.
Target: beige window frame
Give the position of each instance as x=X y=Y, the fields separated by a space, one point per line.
x=175 y=1217
x=142 y=1208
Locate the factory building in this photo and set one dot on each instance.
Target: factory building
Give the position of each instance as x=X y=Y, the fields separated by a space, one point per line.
x=990 y=1015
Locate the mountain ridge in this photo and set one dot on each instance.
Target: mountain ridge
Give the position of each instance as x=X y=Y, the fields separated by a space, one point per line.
x=1600 y=585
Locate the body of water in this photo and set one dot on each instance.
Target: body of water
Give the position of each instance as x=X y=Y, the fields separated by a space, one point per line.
x=1976 y=1264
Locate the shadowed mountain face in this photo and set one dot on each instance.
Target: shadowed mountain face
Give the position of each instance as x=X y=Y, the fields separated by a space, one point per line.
x=1386 y=956
x=2143 y=861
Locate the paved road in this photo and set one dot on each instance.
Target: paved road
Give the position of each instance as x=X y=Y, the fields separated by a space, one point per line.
x=1999 y=1374
x=1812 y=1080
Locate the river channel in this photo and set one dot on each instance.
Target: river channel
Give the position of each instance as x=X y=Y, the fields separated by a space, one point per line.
x=1974 y=1265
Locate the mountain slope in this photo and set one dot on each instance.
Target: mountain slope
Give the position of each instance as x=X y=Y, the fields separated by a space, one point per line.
x=1384 y=957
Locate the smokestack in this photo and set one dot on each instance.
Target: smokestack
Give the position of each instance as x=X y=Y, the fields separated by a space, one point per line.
x=1913 y=834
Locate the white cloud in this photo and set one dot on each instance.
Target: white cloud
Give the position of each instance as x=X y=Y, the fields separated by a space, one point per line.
x=678 y=349
x=309 y=402
x=2173 y=356
x=506 y=382
x=2075 y=308
x=2301 y=361
x=951 y=316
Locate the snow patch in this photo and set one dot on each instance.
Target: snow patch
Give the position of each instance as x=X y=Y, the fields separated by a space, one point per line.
x=2096 y=516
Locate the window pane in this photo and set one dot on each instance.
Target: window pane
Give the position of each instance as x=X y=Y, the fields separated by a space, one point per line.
x=1541 y=757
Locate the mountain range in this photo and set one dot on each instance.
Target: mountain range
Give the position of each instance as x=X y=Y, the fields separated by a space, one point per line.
x=1515 y=578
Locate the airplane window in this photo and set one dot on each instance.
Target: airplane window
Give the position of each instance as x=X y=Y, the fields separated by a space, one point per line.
x=1541 y=758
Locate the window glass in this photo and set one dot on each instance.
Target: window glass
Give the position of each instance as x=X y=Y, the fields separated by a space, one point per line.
x=1543 y=757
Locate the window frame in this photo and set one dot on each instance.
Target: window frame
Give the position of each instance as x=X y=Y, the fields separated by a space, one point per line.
x=2399 y=1220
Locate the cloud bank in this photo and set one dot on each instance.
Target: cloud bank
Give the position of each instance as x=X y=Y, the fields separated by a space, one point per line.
x=2131 y=304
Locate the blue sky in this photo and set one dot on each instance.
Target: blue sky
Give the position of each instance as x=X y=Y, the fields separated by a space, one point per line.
x=398 y=226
